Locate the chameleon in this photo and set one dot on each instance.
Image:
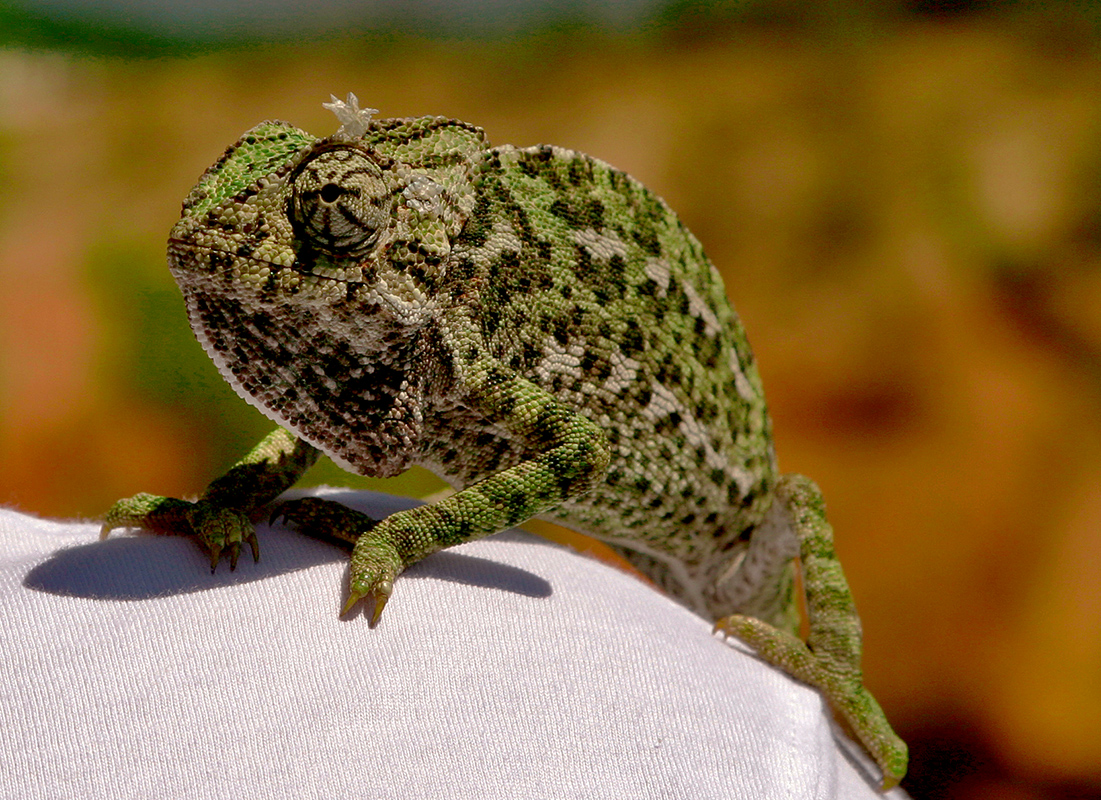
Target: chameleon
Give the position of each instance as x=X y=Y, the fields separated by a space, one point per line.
x=535 y=327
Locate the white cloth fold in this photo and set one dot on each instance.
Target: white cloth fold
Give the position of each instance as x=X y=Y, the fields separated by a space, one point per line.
x=503 y=668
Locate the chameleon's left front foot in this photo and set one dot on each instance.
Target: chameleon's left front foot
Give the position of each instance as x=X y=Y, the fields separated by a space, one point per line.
x=375 y=561
x=843 y=686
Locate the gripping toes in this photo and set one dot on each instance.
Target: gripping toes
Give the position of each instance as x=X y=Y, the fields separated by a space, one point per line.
x=375 y=565
x=221 y=529
x=375 y=561
x=217 y=529
x=148 y=512
x=842 y=685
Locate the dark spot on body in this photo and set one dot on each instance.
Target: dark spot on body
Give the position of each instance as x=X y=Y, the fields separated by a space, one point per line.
x=594 y=214
x=632 y=342
x=647 y=238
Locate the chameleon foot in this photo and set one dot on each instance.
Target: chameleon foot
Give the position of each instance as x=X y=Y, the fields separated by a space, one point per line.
x=842 y=686
x=218 y=530
x=375 y=565
x=375 y=562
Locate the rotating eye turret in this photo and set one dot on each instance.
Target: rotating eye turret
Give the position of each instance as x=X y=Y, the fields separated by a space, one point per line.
x=341 y=203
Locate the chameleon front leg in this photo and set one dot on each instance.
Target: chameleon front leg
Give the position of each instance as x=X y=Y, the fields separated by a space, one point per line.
x=572 y=455
x=221 y=519
x=830 y=658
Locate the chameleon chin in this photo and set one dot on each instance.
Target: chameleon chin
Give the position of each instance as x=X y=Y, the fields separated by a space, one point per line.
x=532 y=325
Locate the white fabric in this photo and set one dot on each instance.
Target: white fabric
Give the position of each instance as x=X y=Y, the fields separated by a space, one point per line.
x=505 y=668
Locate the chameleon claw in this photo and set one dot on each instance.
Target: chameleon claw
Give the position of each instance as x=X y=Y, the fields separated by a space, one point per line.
x=379 y=593
x=353 y=598
x=725 y=626
x=234 y=553
x=382 y=594
x=215 y=555
x=254 y=545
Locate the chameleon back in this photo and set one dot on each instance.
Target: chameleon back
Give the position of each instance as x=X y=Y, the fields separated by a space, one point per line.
x=588 y=284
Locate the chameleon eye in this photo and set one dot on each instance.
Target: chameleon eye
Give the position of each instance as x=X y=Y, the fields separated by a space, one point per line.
x=330 y=193
x=341 y=202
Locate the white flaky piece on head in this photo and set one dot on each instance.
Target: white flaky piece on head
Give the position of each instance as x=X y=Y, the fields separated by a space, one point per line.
x=353 y=119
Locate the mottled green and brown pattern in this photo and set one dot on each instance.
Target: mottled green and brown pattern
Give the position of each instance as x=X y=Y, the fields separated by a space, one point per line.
x=534 y=326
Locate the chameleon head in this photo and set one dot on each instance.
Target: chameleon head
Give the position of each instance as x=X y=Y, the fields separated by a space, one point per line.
x=308 y=267
x=285 y=219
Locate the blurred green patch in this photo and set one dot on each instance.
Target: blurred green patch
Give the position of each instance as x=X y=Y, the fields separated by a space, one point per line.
x=117 y=34
x=85 y=33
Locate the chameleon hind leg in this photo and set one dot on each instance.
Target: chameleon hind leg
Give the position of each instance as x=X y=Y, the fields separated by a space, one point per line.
x=830 y=658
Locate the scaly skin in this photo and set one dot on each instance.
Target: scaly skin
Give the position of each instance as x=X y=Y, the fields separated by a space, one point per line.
x=534 y=326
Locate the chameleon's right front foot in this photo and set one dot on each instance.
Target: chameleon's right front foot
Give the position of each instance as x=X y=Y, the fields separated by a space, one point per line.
x=217 y=529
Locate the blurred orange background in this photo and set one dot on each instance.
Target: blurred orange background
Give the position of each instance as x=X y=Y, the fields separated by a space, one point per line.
x=908 y=219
